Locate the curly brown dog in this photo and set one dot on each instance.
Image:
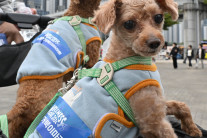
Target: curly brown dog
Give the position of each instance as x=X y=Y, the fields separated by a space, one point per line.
x=34 y=94
x=137 y=30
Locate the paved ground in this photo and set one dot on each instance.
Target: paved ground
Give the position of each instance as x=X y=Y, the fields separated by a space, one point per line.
x=183 y=84
x=187 y=85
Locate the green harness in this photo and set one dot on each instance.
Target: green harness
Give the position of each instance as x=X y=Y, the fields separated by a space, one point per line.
x=4 y=125
x=104 y=77
x=75 y=21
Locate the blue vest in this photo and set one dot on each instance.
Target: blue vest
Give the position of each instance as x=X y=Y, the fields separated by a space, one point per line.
x=54 y=52
x=98 y=110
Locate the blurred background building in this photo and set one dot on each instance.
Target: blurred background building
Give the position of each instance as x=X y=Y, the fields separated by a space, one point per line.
x=190 y=30
x=192 y=24
x=44 y=7
x=193 y=18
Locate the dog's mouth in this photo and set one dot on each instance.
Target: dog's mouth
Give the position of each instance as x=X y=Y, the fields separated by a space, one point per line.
x=150 y=51
x=147 y=49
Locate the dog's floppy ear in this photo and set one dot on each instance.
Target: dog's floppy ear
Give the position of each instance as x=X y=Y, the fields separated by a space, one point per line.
x=169 y=6
x=106 y=15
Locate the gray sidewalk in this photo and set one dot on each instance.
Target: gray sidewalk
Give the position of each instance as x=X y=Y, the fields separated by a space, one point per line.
x=182 y=84
x=186 y=85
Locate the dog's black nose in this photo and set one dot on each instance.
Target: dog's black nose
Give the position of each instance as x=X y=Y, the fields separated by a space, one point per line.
x=153 y=43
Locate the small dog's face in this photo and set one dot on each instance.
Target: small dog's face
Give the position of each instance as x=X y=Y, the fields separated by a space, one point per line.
x=136 y=23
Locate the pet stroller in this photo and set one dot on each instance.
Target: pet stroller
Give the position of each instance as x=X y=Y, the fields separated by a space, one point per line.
x=11 y=56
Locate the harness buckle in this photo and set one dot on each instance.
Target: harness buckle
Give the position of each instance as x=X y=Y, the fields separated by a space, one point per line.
x=106 y=74
x=76 y=20
x=85 y=59
x=89 y=20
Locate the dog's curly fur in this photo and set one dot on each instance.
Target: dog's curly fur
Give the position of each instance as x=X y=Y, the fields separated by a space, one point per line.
x=33 y=95
x=148 y=104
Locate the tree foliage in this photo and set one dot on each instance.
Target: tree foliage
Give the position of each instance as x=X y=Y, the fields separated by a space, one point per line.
x=168 y=21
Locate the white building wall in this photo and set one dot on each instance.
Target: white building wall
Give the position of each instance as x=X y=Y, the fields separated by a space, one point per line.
x=170 y=38
x=175 y=33
x=205 y=33
x=165 y=34
x=60 y=2
x=51 y=6
x=68 y=1
x=181 y=38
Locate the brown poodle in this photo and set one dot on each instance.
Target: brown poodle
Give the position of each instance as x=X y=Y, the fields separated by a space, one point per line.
x=34 y=94
x=137 y=30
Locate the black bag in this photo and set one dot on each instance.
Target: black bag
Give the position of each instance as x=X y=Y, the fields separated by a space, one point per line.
x=11 y=57
x=176 y=125
x=181 y=134
x=2 y=135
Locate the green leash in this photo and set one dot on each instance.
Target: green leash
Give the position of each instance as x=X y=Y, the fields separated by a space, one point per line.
x=4 y=125
x=104 y=77
x=38 y=119
x=75 y=21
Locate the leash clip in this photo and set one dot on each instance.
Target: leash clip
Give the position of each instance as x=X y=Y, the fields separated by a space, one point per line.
x=90 y=21
x=106 y=74
x=70 y=83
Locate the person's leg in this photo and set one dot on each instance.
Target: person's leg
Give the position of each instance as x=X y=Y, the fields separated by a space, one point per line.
x=202 y=64
x=184 y=61
x=188 y=61
x=190 y=64
x=197 y=62
x=176 y=64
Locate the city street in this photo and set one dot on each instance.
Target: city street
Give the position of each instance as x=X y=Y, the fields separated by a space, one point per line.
x=182 y=84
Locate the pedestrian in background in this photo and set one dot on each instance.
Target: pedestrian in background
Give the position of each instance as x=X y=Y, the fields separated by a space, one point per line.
x=174 y=53
x=200 y=56
x=190 y=55
x=184 y=61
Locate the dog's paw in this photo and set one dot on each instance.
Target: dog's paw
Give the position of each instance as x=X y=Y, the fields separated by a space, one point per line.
x=192 y=130
x=195 y=133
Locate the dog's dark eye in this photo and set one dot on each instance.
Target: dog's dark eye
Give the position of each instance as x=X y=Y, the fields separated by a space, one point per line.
x=129 y=24
x=158 y=18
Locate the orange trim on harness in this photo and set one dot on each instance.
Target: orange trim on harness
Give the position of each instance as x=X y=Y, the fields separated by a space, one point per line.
x=38 y=77
x=137 y=87
x=90 y=25
x=51 y=30
x=93 y=39
x=111 y=116
x=152 y=67
x=80 y=57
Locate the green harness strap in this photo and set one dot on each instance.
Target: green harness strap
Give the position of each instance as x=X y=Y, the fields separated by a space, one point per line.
x=38 y=119
x=104 y=77
x=4 y=125
x=75 y=23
